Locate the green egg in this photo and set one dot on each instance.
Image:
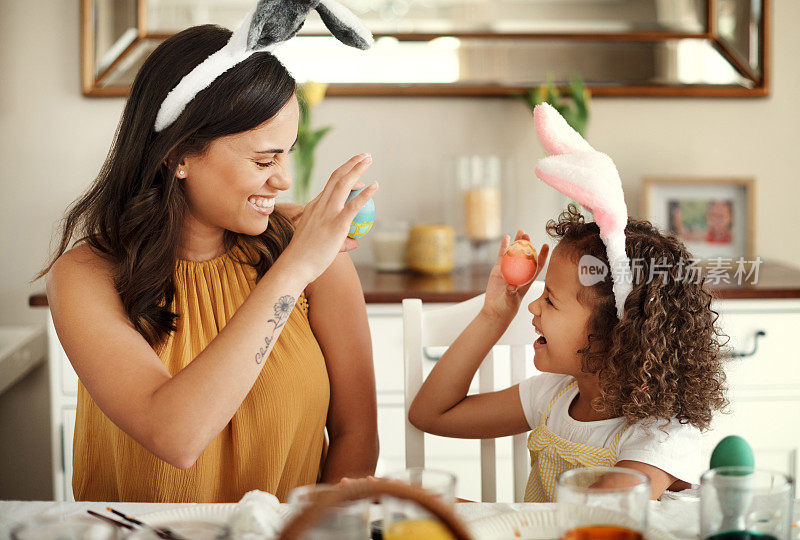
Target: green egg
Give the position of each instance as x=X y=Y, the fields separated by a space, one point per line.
x=732 y=451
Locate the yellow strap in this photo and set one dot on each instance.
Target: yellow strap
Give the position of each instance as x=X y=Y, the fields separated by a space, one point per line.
x=546 y=413
x=616 y=439
x=563 y=455
x=546 y=416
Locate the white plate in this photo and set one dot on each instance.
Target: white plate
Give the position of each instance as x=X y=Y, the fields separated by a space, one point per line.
x=531 y=525
x=202 y=522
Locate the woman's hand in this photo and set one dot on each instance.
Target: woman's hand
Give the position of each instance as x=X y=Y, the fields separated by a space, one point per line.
x=503 y=300
x=294 y=212
x=322 y=228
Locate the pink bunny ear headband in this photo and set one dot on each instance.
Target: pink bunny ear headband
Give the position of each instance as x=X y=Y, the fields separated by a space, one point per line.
x=268 y=24
x=590 y=177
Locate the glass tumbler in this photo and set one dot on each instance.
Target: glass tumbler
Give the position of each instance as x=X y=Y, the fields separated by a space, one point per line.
x=405 y=520
x=745 y=503
x=349 y=521
x=602 y=502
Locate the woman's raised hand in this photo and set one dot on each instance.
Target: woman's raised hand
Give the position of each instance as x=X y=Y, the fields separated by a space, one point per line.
x=321 y=230
x=503 y=300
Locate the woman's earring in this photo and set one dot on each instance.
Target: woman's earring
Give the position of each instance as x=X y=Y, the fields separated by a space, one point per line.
x=181 y=173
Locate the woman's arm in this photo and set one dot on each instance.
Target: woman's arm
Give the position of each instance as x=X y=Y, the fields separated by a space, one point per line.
x=177 y=417
x=171 y=416
x=338 y=317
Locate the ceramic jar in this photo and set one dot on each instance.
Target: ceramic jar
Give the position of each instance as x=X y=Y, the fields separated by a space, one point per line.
x=431 y=249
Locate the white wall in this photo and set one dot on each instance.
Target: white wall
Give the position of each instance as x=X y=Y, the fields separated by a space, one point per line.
x=53 y=141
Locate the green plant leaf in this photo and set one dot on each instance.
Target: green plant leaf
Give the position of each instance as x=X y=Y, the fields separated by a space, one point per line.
x=307 y=140
x=573 y=105
x=317 y=135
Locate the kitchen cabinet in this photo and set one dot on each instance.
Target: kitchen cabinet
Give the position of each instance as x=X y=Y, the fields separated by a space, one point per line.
x=63 y=401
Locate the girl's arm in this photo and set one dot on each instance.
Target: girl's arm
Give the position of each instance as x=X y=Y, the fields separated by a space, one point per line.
x=442 y=406
x=177 y=416
x=338 y=317
x=659 y=480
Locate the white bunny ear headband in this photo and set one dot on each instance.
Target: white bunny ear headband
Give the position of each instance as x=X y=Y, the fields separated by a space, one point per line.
x=270 y=23
x=590 y=177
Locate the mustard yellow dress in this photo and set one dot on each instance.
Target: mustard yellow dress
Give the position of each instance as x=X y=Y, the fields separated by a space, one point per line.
x=274 y=442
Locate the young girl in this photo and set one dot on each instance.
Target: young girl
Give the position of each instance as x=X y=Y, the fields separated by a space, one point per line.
x=633 y=392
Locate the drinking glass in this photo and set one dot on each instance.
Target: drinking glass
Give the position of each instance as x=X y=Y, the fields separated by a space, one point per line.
x=602 y=503
x=348 y=521
x=479 y=180
x=405 y=520
x=66 y=528
x=740 y=503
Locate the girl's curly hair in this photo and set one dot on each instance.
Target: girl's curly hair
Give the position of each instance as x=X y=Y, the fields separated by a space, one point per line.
x=663 y=359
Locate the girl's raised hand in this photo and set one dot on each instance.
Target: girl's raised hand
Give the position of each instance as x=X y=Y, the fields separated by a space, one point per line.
x=322 y=229
x=503 y=300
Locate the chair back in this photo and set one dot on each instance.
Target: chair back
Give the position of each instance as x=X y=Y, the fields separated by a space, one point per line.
x=438 y=327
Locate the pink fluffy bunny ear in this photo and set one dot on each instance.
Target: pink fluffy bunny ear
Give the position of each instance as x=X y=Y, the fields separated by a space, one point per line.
x=556 y=136
x=590 y=177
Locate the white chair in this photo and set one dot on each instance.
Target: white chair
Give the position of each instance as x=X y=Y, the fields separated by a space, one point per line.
x=440 y=327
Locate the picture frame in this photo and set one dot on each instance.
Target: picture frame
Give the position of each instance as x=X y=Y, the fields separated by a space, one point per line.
x=714 y=216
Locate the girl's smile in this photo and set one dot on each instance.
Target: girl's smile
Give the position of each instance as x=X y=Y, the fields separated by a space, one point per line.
x=541 y=341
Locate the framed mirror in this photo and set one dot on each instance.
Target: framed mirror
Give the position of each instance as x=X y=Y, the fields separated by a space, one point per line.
x=473 y=47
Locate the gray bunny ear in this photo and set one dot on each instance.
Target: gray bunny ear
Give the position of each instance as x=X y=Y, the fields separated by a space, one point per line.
x=275 y=21
x=344 y=25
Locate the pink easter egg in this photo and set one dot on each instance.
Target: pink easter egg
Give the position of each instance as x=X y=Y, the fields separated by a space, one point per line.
x=518 y=265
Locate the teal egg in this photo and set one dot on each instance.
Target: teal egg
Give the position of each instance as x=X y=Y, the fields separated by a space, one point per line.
x=732 y=451
x=363 y=221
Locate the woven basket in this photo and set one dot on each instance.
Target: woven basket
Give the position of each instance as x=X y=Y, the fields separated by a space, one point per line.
x=326 y=501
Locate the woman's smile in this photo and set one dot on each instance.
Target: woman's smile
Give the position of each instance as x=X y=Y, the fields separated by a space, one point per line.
x=262 y=205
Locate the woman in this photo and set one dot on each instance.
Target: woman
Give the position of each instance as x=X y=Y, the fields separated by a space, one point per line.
x=214 y=341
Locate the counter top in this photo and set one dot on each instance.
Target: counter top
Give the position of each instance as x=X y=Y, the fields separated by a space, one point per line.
x=775 y=280
x=22 y=348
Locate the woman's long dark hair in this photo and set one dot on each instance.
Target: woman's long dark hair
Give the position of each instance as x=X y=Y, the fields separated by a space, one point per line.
x=133 y=213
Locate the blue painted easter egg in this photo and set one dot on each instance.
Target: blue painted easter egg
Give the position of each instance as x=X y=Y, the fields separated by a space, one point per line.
x=363 y=221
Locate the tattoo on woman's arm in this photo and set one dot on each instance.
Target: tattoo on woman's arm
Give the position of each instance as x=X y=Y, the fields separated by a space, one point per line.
x=282 y=310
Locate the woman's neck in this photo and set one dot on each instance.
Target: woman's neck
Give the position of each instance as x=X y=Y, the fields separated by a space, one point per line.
x=200 y=242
